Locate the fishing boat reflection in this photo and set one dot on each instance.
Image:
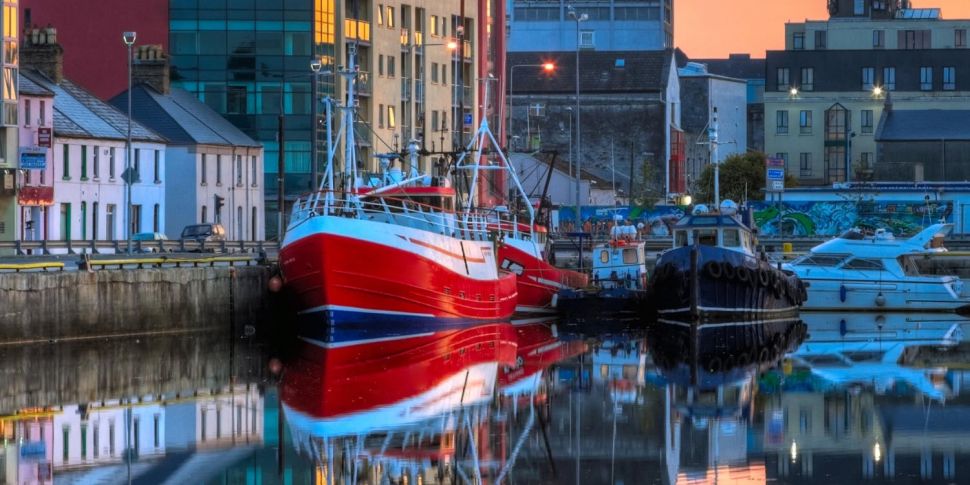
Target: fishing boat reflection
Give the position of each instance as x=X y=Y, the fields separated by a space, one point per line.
x=710 y=381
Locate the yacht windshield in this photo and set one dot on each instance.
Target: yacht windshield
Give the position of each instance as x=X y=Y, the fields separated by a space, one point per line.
x=864 y=264
x=820 y=260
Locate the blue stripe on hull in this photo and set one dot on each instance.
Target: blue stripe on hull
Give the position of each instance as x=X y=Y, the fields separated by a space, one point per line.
x=338 y=326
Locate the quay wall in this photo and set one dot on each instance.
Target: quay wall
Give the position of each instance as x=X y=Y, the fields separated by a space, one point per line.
x=39 y=306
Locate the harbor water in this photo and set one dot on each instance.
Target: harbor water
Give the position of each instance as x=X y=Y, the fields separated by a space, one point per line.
x=835 y=398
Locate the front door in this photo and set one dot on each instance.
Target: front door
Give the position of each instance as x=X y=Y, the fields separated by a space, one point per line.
x=65 y=222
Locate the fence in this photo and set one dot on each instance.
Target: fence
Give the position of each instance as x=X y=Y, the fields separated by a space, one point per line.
x=45 y=248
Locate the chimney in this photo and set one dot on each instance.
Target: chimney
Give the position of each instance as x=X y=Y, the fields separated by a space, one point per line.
x=150 y=66
x=41 y=52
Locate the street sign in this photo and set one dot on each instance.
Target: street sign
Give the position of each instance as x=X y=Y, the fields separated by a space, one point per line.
x=775 y=174
x=468 y=119
x=130 y=176
x=33 y=160
x=44 y=137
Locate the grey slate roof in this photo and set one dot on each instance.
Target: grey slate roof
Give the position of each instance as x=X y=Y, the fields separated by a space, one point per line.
x=78 y=113
x=924 y=125
x=739 y=66
x=642 y=71
x=31 y=88
x=182 y=118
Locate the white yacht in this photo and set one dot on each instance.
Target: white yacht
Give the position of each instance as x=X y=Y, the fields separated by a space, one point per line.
x=877 y=272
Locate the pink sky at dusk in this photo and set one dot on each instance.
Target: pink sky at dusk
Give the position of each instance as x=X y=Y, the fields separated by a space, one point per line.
x=716 y=28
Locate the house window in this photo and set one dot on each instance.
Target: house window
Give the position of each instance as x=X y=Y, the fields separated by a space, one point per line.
x=202 y=169
x=868 y=78
x=27 y=104
x=111 y=164
x=889 y=78
x=156 y=218
x=380 y=64
x=805 y=122
x=781 y=122
x=820 y=39
x=205 y=214
x=391 y=122
x=158 y=167
x=239 y=171
x=782 y=79
x=587 y=39
x=97 y=162
x=218 y=169
x=66 y=163
x=42 y=121
x=390 y=66
x=253 y=174
x=798 y=41
x=960 y=38
x=867 y=118
x=380 y=116
x=805 y=164
x=137 y=165
x=808 y=79
x=949 y=78
x=434 y=72
x=84 y=162
x=926 y=78
x=879 y=39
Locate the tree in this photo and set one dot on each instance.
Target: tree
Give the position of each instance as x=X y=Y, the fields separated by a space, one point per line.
x=741 y=176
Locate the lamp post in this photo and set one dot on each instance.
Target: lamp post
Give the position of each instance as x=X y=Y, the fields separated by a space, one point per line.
x=129 y=39
x=315 y=66
x=579 y=147
x=546 y=66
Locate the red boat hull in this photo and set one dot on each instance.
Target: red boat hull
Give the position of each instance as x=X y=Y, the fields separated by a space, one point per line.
x=537 y=281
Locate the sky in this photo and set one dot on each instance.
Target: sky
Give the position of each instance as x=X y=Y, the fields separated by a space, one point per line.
x=716 y=28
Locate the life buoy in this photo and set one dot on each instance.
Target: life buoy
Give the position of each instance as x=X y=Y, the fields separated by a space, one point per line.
x=728 y=270
x=713 y=269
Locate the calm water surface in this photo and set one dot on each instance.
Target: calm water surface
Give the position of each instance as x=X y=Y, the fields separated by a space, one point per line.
x=836 y=399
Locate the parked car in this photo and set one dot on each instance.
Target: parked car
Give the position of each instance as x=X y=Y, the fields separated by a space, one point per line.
x=204 y=233
x=149 y=240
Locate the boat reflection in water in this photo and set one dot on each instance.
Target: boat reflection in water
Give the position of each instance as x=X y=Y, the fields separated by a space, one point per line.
x=709 y=382
x=855 y=350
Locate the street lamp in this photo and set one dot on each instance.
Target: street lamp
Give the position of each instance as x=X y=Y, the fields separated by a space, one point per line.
x=129 y=39
x=315 y=66
x=546 y=67
x=579 y=147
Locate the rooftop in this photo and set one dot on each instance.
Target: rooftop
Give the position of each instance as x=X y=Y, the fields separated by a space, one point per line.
x=924 y=125
x=739 y=66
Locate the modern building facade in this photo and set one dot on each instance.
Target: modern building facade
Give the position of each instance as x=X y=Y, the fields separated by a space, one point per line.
x=88 y=158
x=701 y=93
x=611 y=25
x=214 y=172
x=826 y=93
x=752 y=70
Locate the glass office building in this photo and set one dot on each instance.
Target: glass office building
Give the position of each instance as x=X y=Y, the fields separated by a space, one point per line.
x=250 y=59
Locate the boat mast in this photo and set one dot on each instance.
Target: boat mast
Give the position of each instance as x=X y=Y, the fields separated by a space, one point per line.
x=350 y=154
x=712 y=138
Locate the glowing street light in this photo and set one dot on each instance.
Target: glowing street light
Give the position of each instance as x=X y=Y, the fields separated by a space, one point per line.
x=877 y=91
x=793 y=91
x=548 y=67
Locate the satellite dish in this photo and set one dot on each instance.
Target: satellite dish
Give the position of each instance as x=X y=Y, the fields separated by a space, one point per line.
x=729 y=207
x=700 y=209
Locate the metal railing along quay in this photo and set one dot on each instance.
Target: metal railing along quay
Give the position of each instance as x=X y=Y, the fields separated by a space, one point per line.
x=46 y=248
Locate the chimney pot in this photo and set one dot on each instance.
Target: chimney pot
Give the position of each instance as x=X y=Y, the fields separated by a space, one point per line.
x=151 y=67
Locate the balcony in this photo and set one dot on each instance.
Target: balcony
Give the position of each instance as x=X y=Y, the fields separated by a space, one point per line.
x=357 y=30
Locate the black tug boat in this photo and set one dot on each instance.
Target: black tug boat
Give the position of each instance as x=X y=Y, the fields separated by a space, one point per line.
x=712 y=276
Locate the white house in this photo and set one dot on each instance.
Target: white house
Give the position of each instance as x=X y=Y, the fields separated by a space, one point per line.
x=214 y=170
x=36 y=195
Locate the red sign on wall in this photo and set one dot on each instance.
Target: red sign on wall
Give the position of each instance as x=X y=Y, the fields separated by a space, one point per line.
x=44 y=137
x=33 y=196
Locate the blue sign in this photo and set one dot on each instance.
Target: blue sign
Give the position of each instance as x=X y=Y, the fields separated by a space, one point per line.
x=33 y=448
x=468 y=118
x=33 y=161
x=776 y=174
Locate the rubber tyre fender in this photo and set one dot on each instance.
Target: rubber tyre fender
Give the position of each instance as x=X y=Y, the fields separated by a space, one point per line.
x=728 y=270
x=764 y=277
x=714 y=270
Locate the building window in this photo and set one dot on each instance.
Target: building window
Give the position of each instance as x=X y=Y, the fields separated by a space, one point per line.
x=42 y=121
x=202 y=170
x=158 y=166
x=66 y=163
x=136 y=166
x=434 y=72
x=65 y=438
x=867 y=118
x=239 y=171
x=205 y=214
x=859 y=7
x=960 y=38
x=444 y=74
x=782 y=78
x=380 y=116
x=805 y=122
x=97 y=162
x=783 y=156
x=587 y=39
x=84 y=162
x=253 y=174
x=915 y=39
x=798 y=41
x=391 y=122
x=889 y=78
x=27 y=104
x=434 y=26
x=820 y=39
x=879 y=39
x=156 y=218
x=218 y=169
x=390 y=66
x=949 y=78
x=389 y=18
x=868 y=78
x=808 y=79
x=805 y=164
x=434 y=120
x=926 y=79
x=866 y=159
x=781 y=122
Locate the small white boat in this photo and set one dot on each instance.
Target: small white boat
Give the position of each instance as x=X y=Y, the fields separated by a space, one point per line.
x=877 y=272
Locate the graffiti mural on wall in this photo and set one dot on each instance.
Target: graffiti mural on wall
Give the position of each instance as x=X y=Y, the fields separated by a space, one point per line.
x=656 y=220
x=831 y=218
